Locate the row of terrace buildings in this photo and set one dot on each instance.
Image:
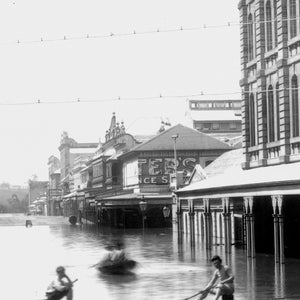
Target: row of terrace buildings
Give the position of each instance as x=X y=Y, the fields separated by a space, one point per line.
x=105 y=183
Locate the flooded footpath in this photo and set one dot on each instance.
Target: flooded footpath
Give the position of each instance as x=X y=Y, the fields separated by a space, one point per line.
x=166 y=269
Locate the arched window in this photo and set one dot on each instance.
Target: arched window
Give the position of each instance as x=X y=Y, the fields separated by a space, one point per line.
x=293 y=20
x=275 y=23
x=295 y=107
x=277 y=113
x=270 y=115
x=250 y=37
x=252 y=120
x=269 y=22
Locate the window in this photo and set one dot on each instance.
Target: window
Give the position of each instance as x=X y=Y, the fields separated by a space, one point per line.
x=275 y=23
x=277 y=113
x=250 y=37
x=252 y=120
x=207 y=126
x=215 y=126
x=295 y=107
x=232 y=126
x=108 y=170
x=269 y=34
x=270 y=114
x=293 y=19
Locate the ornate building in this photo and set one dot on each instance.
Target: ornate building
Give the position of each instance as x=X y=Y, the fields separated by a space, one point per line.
x=251 y=195
x=270 y=47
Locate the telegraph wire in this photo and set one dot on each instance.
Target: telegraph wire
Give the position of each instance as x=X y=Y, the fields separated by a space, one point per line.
x=159 y=97
x=147 y=32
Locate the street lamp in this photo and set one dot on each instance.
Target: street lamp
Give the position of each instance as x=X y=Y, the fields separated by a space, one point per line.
x=166 y=212
x=175 y=137
x=143 y=206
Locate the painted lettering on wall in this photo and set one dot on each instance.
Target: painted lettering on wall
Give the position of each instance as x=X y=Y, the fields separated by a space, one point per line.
x=158 y=170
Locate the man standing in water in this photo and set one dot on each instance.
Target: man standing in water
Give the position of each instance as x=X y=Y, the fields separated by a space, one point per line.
x=225 y=285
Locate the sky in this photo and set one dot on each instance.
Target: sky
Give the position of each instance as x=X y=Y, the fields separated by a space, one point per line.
x=98 y=71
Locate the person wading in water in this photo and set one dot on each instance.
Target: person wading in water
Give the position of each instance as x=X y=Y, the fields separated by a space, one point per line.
x=225 y=285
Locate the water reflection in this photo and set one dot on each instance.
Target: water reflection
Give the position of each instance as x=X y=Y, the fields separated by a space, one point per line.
x=167 y=269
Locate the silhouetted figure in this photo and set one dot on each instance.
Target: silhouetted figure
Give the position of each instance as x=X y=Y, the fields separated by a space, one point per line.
x=28 y=223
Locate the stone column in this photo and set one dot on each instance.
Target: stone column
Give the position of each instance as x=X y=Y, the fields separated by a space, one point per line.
x=252 y=227
x=221 y=228
x=250 y=230
x=277 y=201
x=276 y=229
x=281 y=232
x=207 y=221
x=192 y=220
x=215 y=231
x=227 y=224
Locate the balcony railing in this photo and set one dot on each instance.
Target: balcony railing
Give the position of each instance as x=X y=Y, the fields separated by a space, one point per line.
x=253 y=155
x=114 y=180
x=273 y=152
x=295 y=148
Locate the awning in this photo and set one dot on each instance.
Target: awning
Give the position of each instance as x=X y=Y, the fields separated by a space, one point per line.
x=73 y=194
x=235 y=182
x=135 y=199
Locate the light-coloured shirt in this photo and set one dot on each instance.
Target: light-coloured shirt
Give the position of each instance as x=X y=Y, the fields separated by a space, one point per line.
x=59 y=285
x=224 y=273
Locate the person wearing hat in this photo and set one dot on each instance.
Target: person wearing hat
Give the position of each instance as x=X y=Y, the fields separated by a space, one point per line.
x=225 y=285
x=60 y=287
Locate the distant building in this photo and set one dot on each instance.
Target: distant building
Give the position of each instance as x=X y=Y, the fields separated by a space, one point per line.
x=54 y=189
x=124 y=171
x=218 y=118
x=13 y=198
x=70 y=150
x=38 y=196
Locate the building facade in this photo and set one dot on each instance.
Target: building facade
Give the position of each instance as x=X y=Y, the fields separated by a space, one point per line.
x=70 y=152
x=270 y=64
x=251 y=195
x=54 y=194
x=220 y=118
x=125 y=171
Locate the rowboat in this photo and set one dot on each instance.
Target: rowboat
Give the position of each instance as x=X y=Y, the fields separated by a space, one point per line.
x=56 y=295
x=122 y=267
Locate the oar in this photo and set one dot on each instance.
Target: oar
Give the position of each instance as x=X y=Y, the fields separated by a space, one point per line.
x=201 y=292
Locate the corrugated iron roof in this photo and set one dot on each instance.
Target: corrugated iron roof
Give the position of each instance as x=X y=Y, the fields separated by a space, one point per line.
x=226 y=172
x=188 y=139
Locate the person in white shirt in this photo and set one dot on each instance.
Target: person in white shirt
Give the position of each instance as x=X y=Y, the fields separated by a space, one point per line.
x=62 y=285
x=225 y=286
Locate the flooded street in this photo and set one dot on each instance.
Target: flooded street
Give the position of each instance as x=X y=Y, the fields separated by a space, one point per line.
x=166 y=271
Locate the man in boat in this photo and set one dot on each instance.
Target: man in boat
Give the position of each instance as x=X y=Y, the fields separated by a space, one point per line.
x=118 y=253
x=225 y=285
x=60 y=287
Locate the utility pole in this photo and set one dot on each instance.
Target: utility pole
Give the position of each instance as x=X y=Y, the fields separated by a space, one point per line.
x=175 y=137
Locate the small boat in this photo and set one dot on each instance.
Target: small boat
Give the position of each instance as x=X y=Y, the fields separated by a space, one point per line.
x=122 y=267
x=56 y=295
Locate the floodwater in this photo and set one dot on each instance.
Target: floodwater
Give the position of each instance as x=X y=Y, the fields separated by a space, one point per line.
x=167 y=270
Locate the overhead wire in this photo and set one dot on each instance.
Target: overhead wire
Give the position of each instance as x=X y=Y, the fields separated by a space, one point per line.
x=142 y=32
x=159 y=97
